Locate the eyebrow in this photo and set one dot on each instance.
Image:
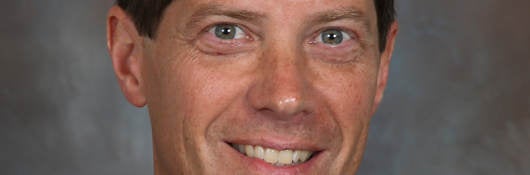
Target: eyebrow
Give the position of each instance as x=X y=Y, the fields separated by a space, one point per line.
x=213 y=9
x=339 y=14
x=336 y=14
x=216 y=9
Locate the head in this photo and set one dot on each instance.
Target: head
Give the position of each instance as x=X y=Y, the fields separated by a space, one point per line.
x=254 y=87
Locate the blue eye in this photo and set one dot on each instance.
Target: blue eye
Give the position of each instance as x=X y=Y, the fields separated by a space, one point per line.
x=227 y=32
x=333 y=37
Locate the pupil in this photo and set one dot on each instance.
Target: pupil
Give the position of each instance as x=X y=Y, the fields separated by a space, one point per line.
x=226 y=31
x=332 y=36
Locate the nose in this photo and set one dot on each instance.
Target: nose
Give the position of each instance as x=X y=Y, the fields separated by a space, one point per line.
x=280 y=91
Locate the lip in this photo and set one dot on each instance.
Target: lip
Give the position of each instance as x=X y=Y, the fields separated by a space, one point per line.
x=262 y=167
x=278 y=144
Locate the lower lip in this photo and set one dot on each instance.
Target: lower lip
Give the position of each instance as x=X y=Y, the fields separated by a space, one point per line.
x=265 y=168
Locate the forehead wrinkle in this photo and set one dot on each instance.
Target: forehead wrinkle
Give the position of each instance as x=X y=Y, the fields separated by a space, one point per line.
x=216 y=9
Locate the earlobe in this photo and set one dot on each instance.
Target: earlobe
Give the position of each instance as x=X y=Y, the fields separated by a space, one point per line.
x=384 y=64
x=125 y=50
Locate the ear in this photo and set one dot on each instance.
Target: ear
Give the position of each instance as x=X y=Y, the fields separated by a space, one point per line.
x=384 y=64
x=125 y=48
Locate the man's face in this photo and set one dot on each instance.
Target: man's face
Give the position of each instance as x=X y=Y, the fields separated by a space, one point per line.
x=262 y=87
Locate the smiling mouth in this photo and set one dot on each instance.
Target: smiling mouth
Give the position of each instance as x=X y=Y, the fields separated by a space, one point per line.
x=275 y=157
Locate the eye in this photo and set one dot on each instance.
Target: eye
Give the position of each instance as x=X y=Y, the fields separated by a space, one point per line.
x=333 y=37
x=227 y=31
x=225 y=39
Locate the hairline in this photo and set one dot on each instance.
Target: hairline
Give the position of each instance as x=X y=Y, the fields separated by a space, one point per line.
x=384 y=9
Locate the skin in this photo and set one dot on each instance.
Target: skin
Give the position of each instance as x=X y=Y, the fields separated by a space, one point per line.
x=277 y=86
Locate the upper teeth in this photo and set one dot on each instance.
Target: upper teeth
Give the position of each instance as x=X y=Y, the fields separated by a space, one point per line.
x=275 y=157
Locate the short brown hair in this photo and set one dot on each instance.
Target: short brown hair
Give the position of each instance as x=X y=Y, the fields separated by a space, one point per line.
x=147 y=15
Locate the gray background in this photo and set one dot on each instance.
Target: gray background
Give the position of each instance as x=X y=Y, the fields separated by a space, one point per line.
x=458 y=100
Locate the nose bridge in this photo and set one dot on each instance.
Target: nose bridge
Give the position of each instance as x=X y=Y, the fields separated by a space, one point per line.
x=285 y=76
x=282 y=87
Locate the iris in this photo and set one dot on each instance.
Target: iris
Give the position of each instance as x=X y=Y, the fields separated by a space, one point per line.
x=225 y=31
x=332 y=36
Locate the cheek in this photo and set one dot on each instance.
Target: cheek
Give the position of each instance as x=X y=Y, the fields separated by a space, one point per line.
x=205 y=94
x=187 y=95
x=203 y=89
x=350 y=94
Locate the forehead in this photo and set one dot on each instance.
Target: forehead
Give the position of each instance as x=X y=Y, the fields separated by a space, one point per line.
x=285 y=9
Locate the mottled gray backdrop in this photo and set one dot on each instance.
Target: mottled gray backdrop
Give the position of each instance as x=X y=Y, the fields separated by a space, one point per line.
x=457 y=102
